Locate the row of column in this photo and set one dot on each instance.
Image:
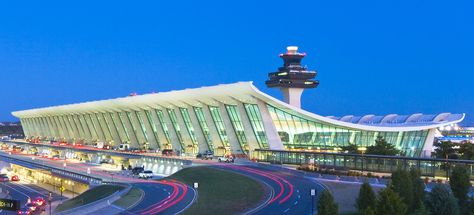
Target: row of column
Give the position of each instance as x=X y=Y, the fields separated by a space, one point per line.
x=152 y=127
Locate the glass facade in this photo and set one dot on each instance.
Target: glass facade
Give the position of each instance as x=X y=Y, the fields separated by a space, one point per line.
x=257 y=124
x=189 y=125
x=142 y=125
x=174 y=122
x=153 y=126
x=238 y=126
x=159 y=113
x=122 y=122
x=297 y=132
x=205 y=129
x=217 y=118
x=427 y=166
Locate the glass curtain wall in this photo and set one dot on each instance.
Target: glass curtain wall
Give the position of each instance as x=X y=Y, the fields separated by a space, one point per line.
x=296 y=132
x=164 y=127
x=153 y=126
x=217 y=118
x=257 y=124
x=174 y=122
x=122 y=122
x=238 y=126
x=205 y=129
x=189 y=126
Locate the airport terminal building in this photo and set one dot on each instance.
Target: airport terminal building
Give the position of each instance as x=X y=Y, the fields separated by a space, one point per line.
x=230 y=118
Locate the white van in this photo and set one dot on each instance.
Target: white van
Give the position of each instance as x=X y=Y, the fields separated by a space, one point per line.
x=99 y=145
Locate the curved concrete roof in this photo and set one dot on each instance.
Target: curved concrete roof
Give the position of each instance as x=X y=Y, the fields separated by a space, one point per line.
x=245 y=92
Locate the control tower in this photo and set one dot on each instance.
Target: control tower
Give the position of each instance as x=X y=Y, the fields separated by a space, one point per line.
x=292 y=78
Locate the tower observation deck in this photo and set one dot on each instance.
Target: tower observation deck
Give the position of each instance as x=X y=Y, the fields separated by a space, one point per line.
x=292 y=78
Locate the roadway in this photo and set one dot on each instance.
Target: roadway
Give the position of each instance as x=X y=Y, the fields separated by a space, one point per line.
x=23 y=191
x=289 y=190
x=163 y=197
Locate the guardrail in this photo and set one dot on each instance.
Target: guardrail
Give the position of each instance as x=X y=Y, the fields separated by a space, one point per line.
x=54 y=170
x=97 y=205
x=109 y=152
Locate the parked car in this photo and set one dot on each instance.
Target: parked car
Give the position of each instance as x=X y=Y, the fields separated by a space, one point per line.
x=124 y=147
x=4 y=178
x=137 y=170
x=226 y=158
x=167 y=152
x=15 y=178
x=146 y=174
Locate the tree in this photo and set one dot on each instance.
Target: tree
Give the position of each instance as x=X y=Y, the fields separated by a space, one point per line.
x=418 y=190
x=401 y=183
x=444 y=149
x=460 y=184
x=442 y=202
x=351 y=148
x=326 y=204
x=381 y=147
x=366 y=198
x=388 y=202
x=466 y=149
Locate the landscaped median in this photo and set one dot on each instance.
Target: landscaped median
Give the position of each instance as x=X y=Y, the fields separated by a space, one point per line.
x=221 y=191
x=93 y=195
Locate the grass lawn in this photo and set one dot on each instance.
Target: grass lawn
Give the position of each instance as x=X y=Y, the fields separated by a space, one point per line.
x=129 y=199
x=220 y=191
x=89 y=196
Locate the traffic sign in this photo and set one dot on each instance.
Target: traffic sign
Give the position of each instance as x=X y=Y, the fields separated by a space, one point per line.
x=196 y=185
x=313 y=192
x=9 y=204
x=62 y=188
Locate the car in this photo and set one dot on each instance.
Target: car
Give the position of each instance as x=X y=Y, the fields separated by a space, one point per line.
x=40 y=204
x=137 y=170
x=227 y=159
x=124 y=147
x=209 y=155
x=28 y=208
x=167 y=152
x=4 y=178
x=55 y=157
x=146 y=174
x=15 y=178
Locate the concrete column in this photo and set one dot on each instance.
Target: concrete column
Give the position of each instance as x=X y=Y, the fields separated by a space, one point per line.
x=68 y=127
x=138 y=128
x=152 y=139
x=41 y=128
x=113 y=128
x=78 y=126
x=216 y=140
x=74 y=127
x=184 y=129
x=54 y=130
x=91 y=127
x=85 y=126
x=428 y=145
x=233 y=141
x=274 y=141
x=98 y=128
x=175 y=143
x=131 y=133
x=55 y=126
x=24 y=127
x=105 y=130
x=62 y=127
x=292 y=96
x=202 y=142
x=248 y=129
x=159 y=129
x=125 y=136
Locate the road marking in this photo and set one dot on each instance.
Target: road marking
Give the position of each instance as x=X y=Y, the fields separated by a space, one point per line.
x=18 y=191
x=286 y=210
x=295 y=203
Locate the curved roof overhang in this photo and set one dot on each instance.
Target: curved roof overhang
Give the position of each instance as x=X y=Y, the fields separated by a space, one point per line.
x=230 y=94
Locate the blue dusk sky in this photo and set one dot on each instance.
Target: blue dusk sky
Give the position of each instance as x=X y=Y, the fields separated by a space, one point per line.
x=372 y=57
